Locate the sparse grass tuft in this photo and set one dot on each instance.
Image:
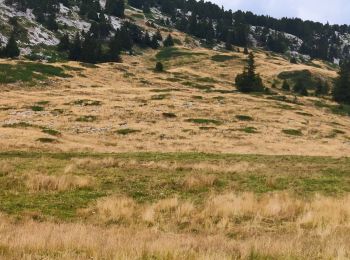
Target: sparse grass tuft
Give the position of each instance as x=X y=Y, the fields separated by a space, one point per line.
x=244 y=118
x=203 y=121
x=294 y=132
x=87 y=118
x=127 y=131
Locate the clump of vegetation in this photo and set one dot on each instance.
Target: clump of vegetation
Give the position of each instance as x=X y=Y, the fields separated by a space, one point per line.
x=294 y=132
x=88 y=118
x=18 y=125
x=249 y=130
x=29 y=72
x=51 y=132
x=249 y=81
x=203 y=121
x=87 y=102
x=285 y=85
x=37 y=108
x=127 y=131
x=341 y=92
x=169 y=115
x=47 y=140
x=244 y=118
x=159 y=67
x=159 y=97
x=169 y=41
x=222 y=58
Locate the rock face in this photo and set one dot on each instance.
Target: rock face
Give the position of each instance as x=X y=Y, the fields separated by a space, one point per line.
x=70 y=21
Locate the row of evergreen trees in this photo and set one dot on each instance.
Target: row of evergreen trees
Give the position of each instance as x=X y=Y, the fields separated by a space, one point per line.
x=209 y=21
x=11 y=49
x=90 y=47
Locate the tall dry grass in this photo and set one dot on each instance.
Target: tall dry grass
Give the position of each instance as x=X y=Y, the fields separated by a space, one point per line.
x=42 y=182
x=228 y=226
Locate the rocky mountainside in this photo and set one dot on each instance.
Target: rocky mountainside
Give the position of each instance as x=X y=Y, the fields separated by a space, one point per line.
x=38 y=29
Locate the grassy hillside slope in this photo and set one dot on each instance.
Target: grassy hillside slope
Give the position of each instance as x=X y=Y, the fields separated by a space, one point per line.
x=193 y=106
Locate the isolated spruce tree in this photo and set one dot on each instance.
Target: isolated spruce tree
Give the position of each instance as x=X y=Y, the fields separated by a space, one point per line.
x=168 y=42
x=11 y=49
x=341 y=92
x=285 y=86
x=249 y=81
x=159 y=67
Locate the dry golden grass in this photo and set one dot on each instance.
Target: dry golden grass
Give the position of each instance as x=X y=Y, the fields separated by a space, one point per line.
x=127 y=104
x=238 y=226
x=42 y=182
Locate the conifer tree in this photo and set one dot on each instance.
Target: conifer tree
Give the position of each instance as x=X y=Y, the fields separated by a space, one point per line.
x=159 y=67
x=158 y=36
x=75 y=48
x=249 y=81
x=115 y=7
x=11 y=49
x=341 y=92
x=228 y=43
x=115 y=48
x=146 y=40
x=64 y=43
x=154 y=42
x=169 y=42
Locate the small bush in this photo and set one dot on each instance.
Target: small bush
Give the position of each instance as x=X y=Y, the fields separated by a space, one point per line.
x=169 y=115
x=47 y=140
x=37 y=108
x=244 y=118
x=159 y=67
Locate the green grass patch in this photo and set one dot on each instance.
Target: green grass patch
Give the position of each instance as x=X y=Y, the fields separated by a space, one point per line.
x=244 y=118
x=19 y=125
x=51 y=132
x=173 y=52
x=87 y=118
x=222 y=58
x=203 y=121
x=303 y=176
x=249 y=130
x=37 y=108
x=293 y=132
x=29 y=72
x=89 y=65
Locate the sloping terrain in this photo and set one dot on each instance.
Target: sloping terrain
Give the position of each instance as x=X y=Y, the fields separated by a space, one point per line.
x=193 y=106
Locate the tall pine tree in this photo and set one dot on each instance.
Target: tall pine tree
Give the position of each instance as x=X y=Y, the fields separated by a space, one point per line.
x=341 y=92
